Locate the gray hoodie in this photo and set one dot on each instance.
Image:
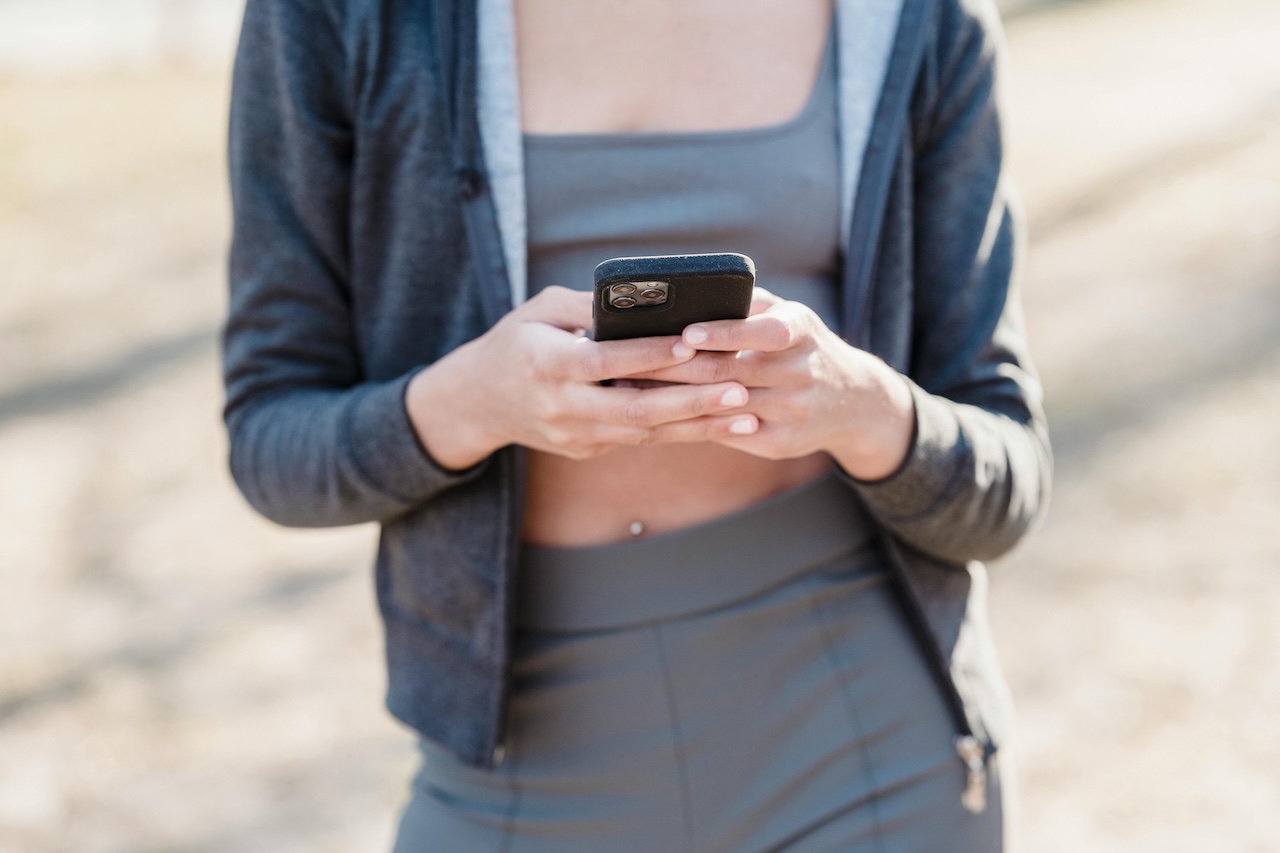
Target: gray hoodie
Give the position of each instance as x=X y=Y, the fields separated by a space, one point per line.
x=377 y=227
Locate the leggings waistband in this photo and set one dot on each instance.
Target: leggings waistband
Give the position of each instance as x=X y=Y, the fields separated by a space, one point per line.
x=703 y=567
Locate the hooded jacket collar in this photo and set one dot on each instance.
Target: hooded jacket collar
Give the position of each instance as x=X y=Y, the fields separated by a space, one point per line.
x=866 y=48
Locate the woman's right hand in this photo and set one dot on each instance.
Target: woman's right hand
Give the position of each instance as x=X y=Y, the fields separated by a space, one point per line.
x=533 y=379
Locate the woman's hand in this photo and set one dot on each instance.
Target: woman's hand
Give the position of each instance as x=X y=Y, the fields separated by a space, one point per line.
x=533 y=379
x=810 y=390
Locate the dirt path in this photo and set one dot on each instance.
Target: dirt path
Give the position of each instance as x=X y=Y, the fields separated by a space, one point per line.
x=177 y=675
x=1138 y=628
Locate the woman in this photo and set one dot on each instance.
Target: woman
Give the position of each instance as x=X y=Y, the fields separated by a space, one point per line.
x=732 y=602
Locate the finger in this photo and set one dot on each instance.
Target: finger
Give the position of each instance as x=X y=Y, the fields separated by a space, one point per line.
x=628 y=382
x=762 y=300
x=752 y=369
x=775 y=330
x=559 y=306
x=708 y=428
x=758 y=443
x=594 y=361
x=785 y=408
x=769 y=441
x=649 y=407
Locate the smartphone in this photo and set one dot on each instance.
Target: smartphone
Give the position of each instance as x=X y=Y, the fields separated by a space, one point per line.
x=661 y=294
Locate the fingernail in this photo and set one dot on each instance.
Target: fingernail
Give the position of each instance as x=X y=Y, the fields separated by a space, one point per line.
x=733 y=397
x=743 y=426
x=682 y=350
x=695 y=335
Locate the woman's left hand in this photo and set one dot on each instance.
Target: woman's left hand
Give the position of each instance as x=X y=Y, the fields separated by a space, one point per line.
x=809 y=390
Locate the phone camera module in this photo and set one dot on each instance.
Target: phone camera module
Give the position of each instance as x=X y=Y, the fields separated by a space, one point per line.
x=629 y=294
x=652 y=292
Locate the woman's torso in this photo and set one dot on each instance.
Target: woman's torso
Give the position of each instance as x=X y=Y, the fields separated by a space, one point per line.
x=606 y=76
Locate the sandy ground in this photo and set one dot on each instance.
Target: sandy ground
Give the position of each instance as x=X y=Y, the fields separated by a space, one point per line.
x=178 y=675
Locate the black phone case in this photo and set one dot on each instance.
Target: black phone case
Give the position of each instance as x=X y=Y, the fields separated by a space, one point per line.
x=700 y=288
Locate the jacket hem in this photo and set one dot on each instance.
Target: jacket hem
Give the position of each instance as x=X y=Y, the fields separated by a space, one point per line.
x=435 y=686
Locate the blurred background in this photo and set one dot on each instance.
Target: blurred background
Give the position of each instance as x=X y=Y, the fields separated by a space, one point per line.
x=179 y=675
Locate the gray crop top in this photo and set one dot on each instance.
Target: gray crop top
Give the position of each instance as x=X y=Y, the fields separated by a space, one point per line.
x=771 y=193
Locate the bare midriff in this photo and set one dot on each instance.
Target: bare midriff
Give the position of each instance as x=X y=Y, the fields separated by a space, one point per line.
x=634 y=492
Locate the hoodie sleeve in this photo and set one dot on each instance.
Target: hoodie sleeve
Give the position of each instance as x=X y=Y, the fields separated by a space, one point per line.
x=978 y=472
x=313 y=442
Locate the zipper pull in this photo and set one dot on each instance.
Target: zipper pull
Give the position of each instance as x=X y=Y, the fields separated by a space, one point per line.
x=974 y=798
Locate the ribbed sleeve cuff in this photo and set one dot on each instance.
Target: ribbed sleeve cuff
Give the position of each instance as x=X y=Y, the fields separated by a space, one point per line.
x=928 y=474
x=385 y=450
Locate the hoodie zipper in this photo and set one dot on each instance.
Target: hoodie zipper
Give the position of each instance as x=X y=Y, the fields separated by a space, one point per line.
x=971 y=751
x=868 y=215
x=974 y=756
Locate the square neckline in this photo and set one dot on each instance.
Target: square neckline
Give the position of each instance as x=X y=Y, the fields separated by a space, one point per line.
x=826 y=72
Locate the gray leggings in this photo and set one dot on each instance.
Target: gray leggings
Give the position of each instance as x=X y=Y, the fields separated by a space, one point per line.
x=671 y=695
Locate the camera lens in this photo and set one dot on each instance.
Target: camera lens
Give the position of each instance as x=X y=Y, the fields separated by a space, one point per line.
x=623 y=302
x=652 y=293
x=623 y=289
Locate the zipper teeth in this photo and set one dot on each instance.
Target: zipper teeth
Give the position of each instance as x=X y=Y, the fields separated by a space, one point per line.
x=900 y=57
x=971 y=752
x=513 y=474
x=925 y=641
